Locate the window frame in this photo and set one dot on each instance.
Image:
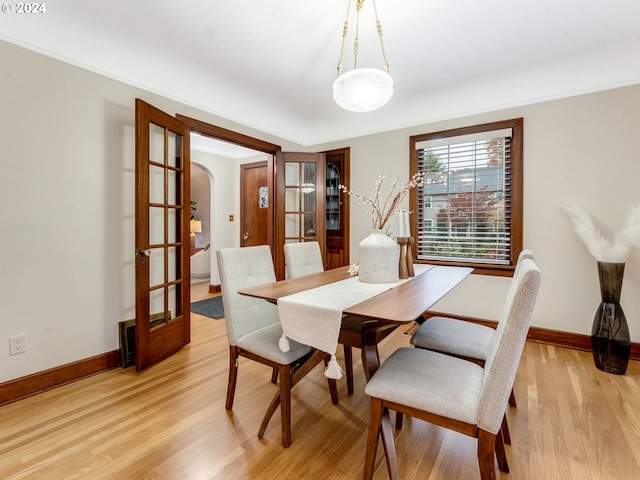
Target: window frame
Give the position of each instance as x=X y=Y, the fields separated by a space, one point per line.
x=515 y=189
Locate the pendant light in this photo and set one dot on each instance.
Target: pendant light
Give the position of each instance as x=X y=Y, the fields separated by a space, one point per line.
x=362 y=89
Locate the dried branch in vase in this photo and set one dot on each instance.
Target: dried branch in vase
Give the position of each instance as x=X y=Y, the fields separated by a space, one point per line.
x=380 y=212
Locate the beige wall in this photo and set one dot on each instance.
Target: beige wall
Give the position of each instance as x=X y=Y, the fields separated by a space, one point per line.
x=66 y=244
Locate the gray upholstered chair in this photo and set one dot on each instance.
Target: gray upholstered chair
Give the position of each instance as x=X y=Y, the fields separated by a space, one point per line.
x=458 y=337
x=455 y=393
x=461 y=338
x=253 y=331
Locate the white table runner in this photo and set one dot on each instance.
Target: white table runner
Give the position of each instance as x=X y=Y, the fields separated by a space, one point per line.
x=314 y=317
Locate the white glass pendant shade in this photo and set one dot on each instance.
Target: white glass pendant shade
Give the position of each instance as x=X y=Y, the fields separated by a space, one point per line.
x=363 y=89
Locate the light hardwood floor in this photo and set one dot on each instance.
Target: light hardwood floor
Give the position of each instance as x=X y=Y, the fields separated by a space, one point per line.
x=169 y=422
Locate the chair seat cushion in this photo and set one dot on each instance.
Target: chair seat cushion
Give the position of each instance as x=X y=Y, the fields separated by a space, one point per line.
x=430 y=381
x=455 y=337
x=264 y=342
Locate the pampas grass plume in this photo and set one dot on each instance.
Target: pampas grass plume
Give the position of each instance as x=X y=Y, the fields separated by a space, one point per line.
x=603 y=248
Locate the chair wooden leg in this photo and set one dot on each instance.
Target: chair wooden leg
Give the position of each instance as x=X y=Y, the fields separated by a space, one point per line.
x=399 y=418
x=486 y=455
x=505 y=430
x=278 y=400
x=233 y=376
x=274 y=375
x=268 y=414
x=285 y=405
x=372 y=438
x=512 y=399
x=501 y=455
x=389 y=445
x=288 y=379
x=348 y=366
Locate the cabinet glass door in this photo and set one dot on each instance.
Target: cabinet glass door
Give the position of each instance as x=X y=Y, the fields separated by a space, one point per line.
x=333 y=197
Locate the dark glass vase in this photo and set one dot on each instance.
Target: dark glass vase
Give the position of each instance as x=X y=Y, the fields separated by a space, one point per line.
x=610 y=339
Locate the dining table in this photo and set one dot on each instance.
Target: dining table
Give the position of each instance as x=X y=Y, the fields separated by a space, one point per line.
x=396 y=304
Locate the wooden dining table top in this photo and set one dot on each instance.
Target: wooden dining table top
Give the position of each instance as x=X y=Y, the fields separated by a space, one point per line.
x=400 y=304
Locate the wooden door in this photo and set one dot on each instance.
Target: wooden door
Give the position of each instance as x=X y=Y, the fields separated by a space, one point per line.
x=300 y=202
x=254 y=204
x=337 y=208
x=162 y=235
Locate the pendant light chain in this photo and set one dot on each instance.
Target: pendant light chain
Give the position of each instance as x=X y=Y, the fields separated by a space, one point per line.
x=345 y=30
x=356 y=41
x=379 y=28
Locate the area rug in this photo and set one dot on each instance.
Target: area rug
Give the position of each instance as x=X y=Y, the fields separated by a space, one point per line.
x=211 y=307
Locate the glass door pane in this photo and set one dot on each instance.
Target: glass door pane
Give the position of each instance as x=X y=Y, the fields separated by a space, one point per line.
x=332 y=205
x=300 y=201
x=165 y=214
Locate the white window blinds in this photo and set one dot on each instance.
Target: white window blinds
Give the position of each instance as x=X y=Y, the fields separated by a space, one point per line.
x=464 y=208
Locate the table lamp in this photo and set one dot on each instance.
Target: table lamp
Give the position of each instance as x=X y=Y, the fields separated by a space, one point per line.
x=195 y=226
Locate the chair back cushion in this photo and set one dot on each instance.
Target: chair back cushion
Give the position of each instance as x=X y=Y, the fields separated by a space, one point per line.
x=303 y=258
x=240 y=268
x=526 y=253
x=507 y=345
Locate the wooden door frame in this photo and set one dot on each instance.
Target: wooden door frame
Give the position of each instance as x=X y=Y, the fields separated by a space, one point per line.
x=252 y=143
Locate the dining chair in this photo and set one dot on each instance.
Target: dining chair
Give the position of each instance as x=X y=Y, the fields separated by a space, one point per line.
x=253 y=331
x=304 y=258
x=461 y=338
x=455 y=393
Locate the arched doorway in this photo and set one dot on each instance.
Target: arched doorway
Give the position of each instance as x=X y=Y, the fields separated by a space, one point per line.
x=202 y=214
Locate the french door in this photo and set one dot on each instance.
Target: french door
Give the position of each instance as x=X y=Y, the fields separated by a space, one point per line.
x=162 y=235
x=300 y=202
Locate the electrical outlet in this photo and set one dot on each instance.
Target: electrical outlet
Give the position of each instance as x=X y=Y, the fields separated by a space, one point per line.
x=17 y=344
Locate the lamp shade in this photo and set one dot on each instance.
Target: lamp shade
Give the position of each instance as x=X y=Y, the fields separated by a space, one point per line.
x=363 y=89
x=195 y=226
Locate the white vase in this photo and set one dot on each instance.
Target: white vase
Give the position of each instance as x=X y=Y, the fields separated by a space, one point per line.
x=378 y=257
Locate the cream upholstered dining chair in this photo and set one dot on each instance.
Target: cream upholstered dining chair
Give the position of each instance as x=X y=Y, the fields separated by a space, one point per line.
x=461 y=338
x=304 y=258
x=253 y=331
x=455 y=393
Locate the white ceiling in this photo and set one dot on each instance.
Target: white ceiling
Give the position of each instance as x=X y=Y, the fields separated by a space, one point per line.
x=270 y=64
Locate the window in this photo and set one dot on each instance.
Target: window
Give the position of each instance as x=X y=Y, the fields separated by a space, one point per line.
x=469 y=211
